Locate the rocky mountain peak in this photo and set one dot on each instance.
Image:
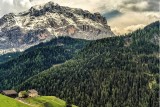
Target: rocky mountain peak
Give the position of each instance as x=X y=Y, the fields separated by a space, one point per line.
x=43 y=22
x=68 y=12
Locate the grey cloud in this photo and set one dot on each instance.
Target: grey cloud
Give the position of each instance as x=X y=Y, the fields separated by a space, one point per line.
x=112 y=14
x=140 y=5
x=154 y=5
x=15 y=6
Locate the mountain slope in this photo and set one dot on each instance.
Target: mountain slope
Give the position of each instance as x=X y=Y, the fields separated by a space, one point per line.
x=112 y=72
x=41 y=101
x=43 y=22
x=9 y=102
x=46 y=101
x=38 y=58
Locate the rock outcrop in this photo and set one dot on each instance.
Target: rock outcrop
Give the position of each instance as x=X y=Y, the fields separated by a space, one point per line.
x=43 y=22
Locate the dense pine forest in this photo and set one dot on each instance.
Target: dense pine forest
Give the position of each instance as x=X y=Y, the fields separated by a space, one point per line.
x=38 y=58
x=113 y=72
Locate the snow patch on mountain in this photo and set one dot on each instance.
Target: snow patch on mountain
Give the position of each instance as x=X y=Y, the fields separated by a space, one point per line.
x=44 y=22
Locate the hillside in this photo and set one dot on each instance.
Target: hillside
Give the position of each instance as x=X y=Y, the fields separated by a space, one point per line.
x=41 y=101
x=38 y=58
x=46 y=101
x=112 y=72
x=9 y=102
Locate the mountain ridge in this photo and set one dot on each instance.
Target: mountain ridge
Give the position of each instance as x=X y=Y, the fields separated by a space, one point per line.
x=43 y=22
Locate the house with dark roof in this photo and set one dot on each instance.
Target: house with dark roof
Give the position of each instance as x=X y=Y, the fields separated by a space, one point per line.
x=32 y=93
x=10 y=93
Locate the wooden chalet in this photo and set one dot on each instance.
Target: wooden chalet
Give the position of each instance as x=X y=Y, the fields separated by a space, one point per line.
x=32 y=93
x=10 y=93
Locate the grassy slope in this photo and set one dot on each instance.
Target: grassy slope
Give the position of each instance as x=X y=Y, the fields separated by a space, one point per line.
x=42 y=101
x=9 y=102
x=46 y=101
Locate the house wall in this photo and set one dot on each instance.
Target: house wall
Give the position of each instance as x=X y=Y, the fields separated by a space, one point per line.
x=33 y=94
x=12 y=95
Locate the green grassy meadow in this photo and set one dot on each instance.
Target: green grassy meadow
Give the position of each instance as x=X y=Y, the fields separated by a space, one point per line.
x=10 y=102
x=41 y=101
x=46 y=101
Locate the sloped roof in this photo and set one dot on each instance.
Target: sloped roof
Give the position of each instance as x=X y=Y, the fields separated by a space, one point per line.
x=9 y=92
x=32 y=91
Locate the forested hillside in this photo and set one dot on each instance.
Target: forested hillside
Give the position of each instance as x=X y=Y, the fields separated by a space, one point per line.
x=112 y=72
x=37 y=59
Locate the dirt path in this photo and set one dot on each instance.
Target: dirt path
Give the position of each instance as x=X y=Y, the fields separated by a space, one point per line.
x=25 y=103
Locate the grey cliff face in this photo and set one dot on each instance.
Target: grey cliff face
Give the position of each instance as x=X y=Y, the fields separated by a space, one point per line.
x=43 y=22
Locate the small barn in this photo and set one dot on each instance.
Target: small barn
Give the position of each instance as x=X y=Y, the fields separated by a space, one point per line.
x=32 y=93
x=10 y=93
x=22 y=94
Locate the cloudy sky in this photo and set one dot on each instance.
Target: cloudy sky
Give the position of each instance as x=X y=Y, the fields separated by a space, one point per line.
x=123 y=15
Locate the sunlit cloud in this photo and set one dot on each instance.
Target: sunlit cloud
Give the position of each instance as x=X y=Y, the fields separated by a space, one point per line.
x=121 y=24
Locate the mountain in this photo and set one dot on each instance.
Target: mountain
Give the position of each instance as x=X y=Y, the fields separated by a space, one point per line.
x=38 y=58
x=43 y=22
x=112 y=72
